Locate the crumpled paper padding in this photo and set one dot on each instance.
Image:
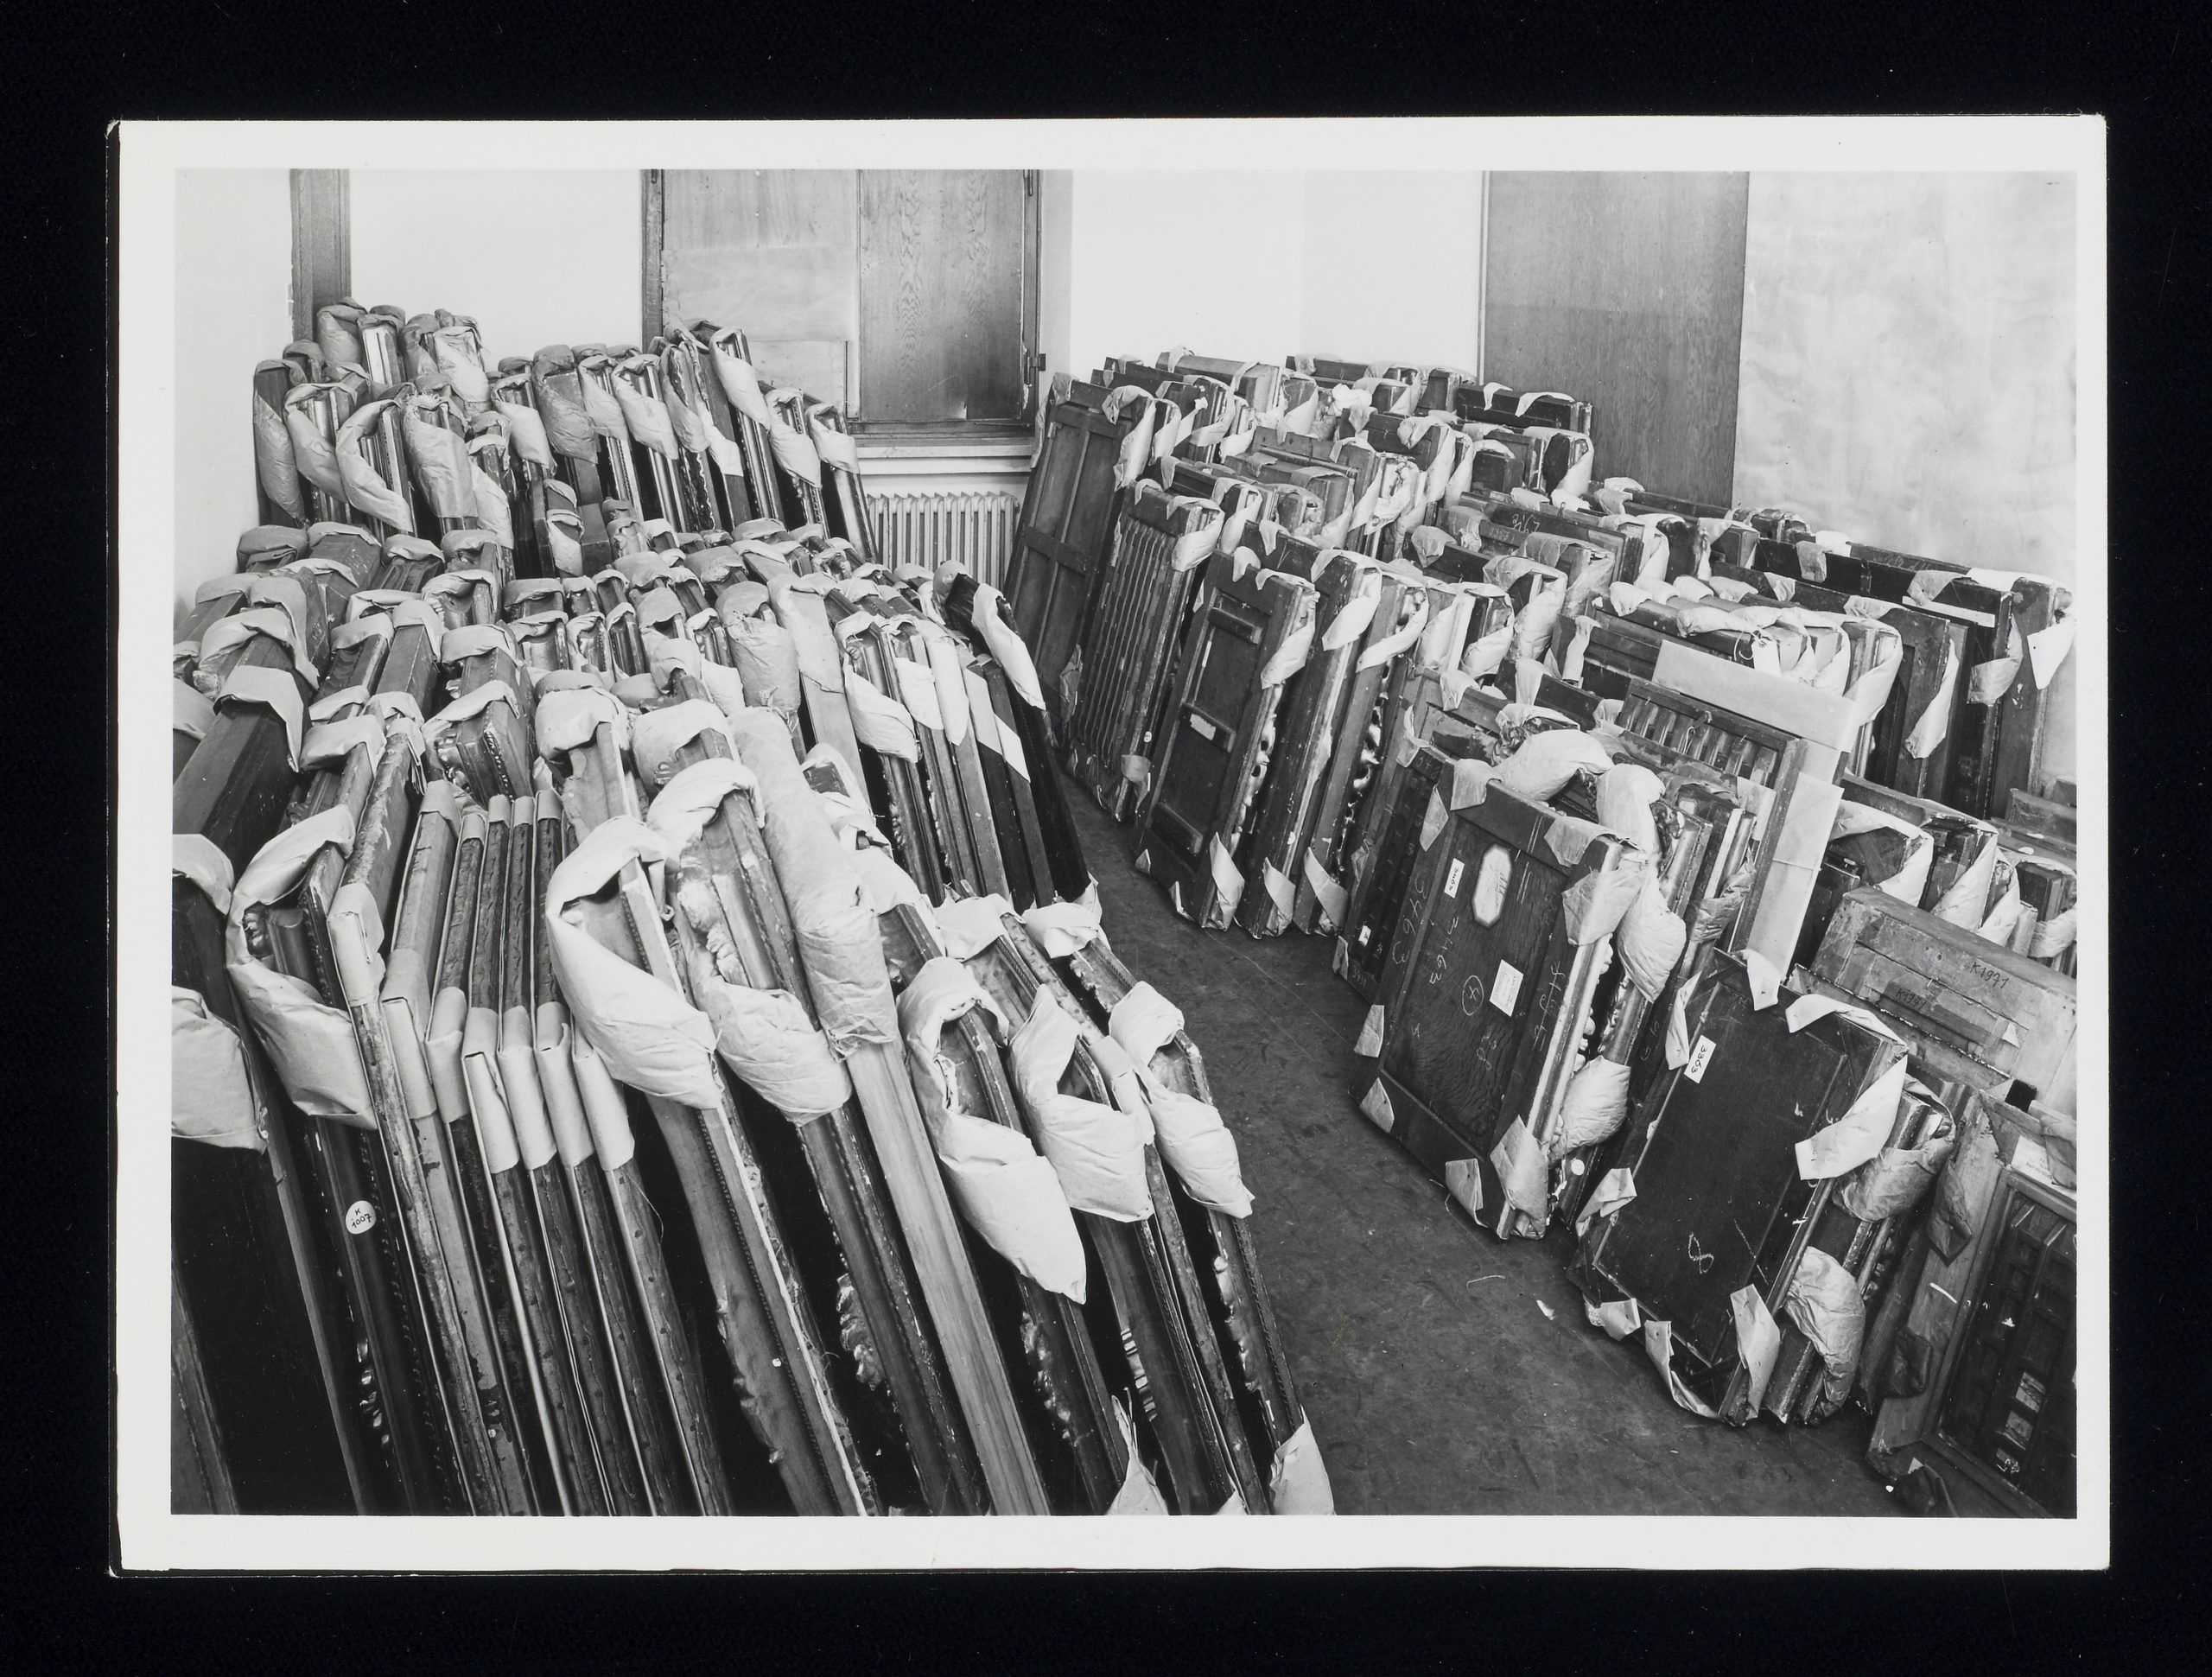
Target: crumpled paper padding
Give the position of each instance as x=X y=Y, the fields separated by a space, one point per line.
x=1822 y=1300
x=1811 y=1009
x=1898 y=1179
x=440 y=457
x=1859 y=1135
x=1193 y=1138
x=1297 y=646
x=1008 y=1191
x=1298 y=1483
x=880 y=722
x=1659 y=1346
x=767 y=660
x=1966 y=902
x=666 y=654
x=887 y=886
x=1626 y=792
x=1096 y=1151
x=1539 y=769
x=1758 y=1340
x=1518 y=1158
x=838 y=942
x=1138 y=1495
x=309 y=1044
x=1486 y=657
x=1611 y=1191
x=768 y=1039
x=657 y=735
x=1596 y=1106
x=198 y=858
x=568 y=717
x=1988 y=682
x=1062 y=928
x=1591 y=909
x=649 y=1036
x=1619 y=1318
x=693 y=797
x=1909 y=882
x=211 y=1096
x=1651 y=940
x=312 y=453
x=971 y=924
x=741 y=384
x=2052 y=937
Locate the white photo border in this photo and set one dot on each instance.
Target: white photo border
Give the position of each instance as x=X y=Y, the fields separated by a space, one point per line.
x=154 y=1538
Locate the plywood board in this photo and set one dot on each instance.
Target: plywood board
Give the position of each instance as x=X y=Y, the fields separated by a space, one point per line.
x=941 y=254
x=1626 y=291
x=774 y=252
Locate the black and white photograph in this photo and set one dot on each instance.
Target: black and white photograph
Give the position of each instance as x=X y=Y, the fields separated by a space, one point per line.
x=1395 y=827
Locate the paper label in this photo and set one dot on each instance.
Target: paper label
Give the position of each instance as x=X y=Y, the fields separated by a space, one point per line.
x=1202 y=728
x=1451 y=877
x=1505 y=989
x=1700 y=1057
x=361 y=1217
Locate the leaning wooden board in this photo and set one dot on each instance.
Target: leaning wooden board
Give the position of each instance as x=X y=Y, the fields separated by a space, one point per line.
x=1720 y=1203
x=1213 y=743
x=1066 y=517
x=1486 y=996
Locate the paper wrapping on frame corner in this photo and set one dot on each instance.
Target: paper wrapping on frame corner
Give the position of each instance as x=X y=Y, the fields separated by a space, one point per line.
x=969 y=926
x=649 y=1037
x=1659 y=1346
x=1518 y=1158
x=211 y=1098
x=1138 y=1493
x=1062 y=928
x=310 y=1045
x=1759 y=1338
x=1297 y=1482
x=839 y=944
x=1859 y=1135
x=1096 y=1151
x=1192 y=1136
x=1008 y=1192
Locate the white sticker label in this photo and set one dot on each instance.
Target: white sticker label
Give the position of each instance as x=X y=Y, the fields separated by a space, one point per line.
x=1451 y=877
x=361 y=1217
x=1700 y=1057
x=1202 y=728
x=1505 y=989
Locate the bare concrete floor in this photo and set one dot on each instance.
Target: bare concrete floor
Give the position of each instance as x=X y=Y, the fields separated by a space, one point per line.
x=1435 y=1380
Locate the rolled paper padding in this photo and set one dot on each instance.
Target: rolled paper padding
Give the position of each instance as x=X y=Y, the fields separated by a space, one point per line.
x=1096 y=1151
x=1596 y=1107
x=1651 y=940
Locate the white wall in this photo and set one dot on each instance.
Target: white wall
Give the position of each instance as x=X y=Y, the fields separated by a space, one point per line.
x=1210 y=261
x=1909 y=367
x=537 y=258
x=233 y=309
x=1414 y=295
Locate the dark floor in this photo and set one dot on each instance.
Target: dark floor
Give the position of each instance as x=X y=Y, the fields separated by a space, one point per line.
x=1435 y=1381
